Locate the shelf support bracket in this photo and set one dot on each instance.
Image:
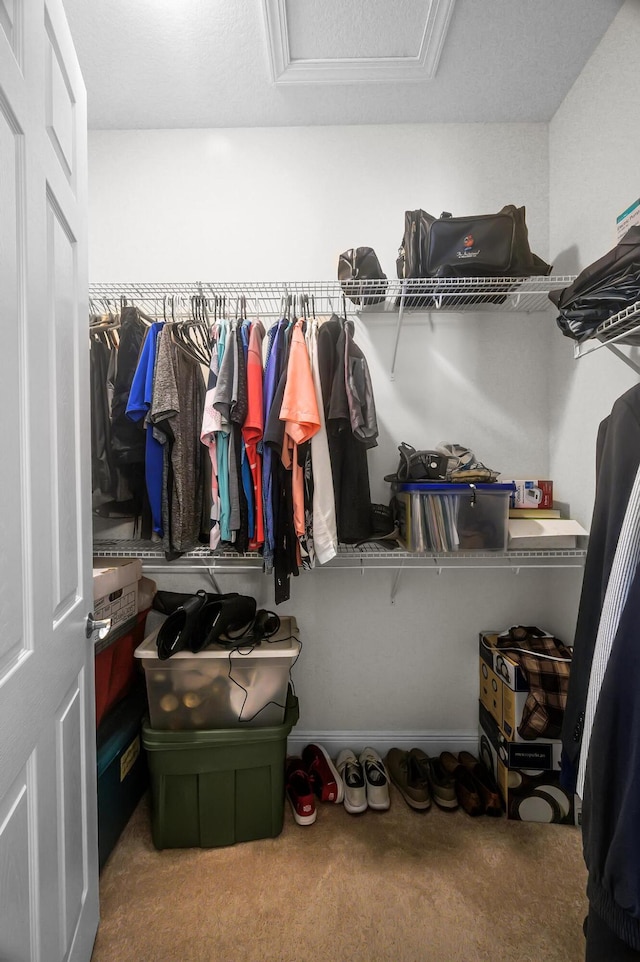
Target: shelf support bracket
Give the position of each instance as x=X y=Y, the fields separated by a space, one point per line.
x=398 y=330
x=396 y=583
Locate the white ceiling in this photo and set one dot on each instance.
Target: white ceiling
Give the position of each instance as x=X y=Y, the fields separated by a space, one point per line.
x=230 y=63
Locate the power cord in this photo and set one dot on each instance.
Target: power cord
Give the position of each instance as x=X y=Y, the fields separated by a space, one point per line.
x=246 y=650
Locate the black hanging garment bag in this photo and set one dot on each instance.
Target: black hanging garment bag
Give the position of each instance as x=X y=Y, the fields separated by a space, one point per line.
x=605 y=287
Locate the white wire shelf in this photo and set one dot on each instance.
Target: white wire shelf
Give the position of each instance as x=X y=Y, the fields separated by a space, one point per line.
x=620 y=328
x=167 y=300
x=368 y=556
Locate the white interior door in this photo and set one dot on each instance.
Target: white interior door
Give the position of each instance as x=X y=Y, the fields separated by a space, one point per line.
x=48 y=826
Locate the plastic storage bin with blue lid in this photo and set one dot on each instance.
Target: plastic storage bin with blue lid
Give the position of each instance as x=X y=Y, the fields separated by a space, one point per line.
x=448 y=517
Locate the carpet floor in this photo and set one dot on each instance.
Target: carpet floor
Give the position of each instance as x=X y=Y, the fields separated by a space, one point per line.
x=396 y=886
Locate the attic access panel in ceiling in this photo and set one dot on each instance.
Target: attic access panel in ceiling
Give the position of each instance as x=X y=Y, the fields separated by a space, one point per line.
x=362 y=41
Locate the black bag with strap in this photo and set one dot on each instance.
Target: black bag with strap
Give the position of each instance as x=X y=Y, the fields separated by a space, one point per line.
x=357 y=265
x=607 y=286
x=486 y=245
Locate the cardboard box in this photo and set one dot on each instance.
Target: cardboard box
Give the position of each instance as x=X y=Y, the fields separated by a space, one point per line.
x=627 y=219
x=115 y=589
x=501 y=662
x=528 y=776
x=503 y=704
x=503 y=687
x=531 y=494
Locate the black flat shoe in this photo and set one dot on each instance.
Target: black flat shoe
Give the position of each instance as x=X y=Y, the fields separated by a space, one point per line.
x=264 y=625
x=175 y=633
x=166 y=602
x=230 y=617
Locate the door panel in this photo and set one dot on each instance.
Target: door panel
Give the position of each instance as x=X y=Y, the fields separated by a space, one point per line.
x=15 y=909
x=48 y=821
x=10 y=19
x=71 y=812
x=62 y=333
x=60 y=104
x=11 y=267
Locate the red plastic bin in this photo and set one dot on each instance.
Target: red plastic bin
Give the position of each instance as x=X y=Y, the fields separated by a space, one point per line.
x=115 y=666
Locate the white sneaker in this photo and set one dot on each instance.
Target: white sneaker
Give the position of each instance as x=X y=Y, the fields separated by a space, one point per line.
x=376 y=780
x=355 y=791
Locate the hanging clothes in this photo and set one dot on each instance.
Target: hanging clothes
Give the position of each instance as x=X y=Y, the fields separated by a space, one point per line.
x=617 y=460
x=238 y=414
x=359 y=392
x=225 y=397
x=299 y=412
x=138 y=409
x=211 y=422
x=176 y=412
x=127 y=437
x=349 y=465
x=285 y=551
x=103 y=471
x=222 y=448
x=273 y=363
x=247 y=482
x=252 y=429
x=601 y=729
x=325 y=534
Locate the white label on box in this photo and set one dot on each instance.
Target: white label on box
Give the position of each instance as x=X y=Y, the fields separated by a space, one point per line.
x=628 y=218
x=129 y=757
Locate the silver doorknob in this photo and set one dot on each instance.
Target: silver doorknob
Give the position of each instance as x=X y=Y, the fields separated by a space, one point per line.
x=102 y=627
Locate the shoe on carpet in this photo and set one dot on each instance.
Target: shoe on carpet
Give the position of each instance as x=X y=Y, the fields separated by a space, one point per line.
x=442 y=785
x=410 y=778
x=299 y=792
x=355 y=790
x=376 y=780
x=486 y=784
x=466 y=785
x=323 y=774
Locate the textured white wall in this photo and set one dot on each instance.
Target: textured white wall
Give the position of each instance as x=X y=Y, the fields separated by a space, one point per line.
x=281 y=204
x=594 y=144
x=267 y=204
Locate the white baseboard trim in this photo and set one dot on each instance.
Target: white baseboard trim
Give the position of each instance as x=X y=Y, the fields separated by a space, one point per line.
x=431 y=742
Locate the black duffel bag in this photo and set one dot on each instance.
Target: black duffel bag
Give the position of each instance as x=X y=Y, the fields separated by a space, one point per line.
x=485 y=245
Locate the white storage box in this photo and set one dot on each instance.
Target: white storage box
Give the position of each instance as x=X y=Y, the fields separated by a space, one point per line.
x=115 y=589
x=555 y=534
x=220 y=687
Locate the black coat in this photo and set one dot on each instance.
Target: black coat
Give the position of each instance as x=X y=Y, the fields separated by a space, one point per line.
x=611 y=797
x=617 y=459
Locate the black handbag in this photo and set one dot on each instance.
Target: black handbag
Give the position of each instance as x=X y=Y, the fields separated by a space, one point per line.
x=361 y=264
x=486 y=245
x=419 y=465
